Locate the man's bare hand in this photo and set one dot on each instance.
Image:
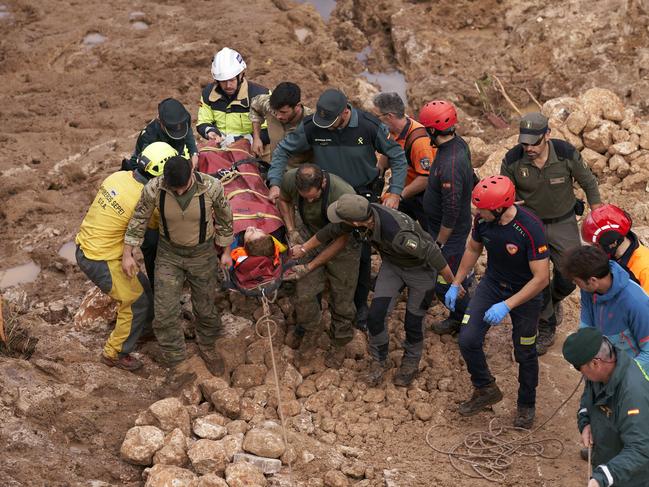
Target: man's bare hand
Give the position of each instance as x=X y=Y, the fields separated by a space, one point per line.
x=587 y=436
x=129 y=266
x=390 y=200
x=195 y=161
x=273 y=194
x=257 y=147
x=301 y=270
x=226 y=260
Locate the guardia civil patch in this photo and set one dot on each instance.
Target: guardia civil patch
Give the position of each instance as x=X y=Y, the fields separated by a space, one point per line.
x=411 y=244
x=632 y=412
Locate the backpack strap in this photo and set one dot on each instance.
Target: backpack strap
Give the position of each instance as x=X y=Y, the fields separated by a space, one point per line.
x=417 y=133
x=163 y=219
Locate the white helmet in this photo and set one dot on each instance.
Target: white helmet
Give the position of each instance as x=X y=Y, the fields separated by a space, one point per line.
x=227 y=64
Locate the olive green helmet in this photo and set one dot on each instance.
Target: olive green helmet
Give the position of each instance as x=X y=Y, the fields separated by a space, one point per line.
x=154 y=156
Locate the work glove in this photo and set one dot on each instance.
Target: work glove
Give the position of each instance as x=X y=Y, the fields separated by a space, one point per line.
x=496 y=313
x=451 y=296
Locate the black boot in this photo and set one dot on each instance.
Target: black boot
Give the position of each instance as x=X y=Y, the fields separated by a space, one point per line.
x=545 y=338
x=448 y=326
x=377 y=369
x=482 y=397
x=406 y=373
x=524 y=417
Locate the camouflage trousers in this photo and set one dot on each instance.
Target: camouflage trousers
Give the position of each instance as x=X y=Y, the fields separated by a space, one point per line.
x=198 y=266
x=341 y=273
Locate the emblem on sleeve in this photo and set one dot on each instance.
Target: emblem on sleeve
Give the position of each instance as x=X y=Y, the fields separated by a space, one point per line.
x=542 y=248
x=411 y=244
x=632 y=412
x=424 y=162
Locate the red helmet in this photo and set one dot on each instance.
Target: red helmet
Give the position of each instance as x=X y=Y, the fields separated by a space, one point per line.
x=493 y=193
x=438 y=115
x=607 y=221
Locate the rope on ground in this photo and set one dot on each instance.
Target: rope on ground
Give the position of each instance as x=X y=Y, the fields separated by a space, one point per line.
x=489 y=453
x=271 y=329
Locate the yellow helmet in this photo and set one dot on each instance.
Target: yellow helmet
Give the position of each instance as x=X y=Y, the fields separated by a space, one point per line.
x=154 y=156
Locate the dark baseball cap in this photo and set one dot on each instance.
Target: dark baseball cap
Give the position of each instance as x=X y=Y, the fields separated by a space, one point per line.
x=174 y=117
x=533 y=126
x=350 y=208
x=330 y=105
x=582 y=347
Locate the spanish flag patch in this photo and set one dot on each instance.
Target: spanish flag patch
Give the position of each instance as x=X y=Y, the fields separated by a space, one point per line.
x=632 y=412
x=542 y=248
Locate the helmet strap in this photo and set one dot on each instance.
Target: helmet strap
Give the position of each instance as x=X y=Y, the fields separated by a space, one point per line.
x=498 y=214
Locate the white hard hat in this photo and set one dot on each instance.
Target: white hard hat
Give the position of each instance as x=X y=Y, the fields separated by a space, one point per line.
x=227 y=64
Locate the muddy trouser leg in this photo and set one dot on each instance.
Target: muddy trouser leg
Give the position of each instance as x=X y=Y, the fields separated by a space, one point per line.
x=134 y=298
x=170 y=273
x=414 y=208
x=420 y=281
x=307 y=306
x=474 y=329
x=525 y=319
x=202 y=269
x=342 y=274
x=561 y=236
x=388 y=284
x=364 y=276
x=452 y=252
x=149 y=248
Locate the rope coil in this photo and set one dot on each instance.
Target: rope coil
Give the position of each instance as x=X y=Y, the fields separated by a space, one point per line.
x=489 y=454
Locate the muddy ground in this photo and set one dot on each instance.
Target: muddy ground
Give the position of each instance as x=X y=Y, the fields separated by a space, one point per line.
x=79 y=79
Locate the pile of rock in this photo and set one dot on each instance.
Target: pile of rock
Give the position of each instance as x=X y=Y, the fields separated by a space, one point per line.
x=611 y=139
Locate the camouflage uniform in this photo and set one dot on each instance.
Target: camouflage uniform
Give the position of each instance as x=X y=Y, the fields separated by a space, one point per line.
x=341 y=272
x=186 y=252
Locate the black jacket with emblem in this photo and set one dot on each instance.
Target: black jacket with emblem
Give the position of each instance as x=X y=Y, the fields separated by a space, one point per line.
x=618 y=413
x=548 y=191
x=397 y=237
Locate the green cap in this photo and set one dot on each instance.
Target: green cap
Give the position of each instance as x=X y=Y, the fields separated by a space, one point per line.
x=330 y=105
x=532 y=127
x=350 y=208
x=582 y=347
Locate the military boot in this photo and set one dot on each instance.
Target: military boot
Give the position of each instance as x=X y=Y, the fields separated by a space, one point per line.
x=377 y=369
x=448 y=326
x=545 y=337
x=406 y=373
x=482 y=397
x=213 y=359
x=335 y=357
x=524 y=417
x=294 y=337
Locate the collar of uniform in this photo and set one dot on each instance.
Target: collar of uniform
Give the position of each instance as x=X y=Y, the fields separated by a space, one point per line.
x=406 y=129
x=626 y=256
x=552 y=156
x=353 y=117
x=242 y=94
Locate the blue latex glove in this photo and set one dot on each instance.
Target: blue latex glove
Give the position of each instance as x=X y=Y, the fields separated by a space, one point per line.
x=451 y=296
x=496 y=313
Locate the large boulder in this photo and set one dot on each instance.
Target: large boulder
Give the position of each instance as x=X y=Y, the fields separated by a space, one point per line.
x=210 y=427
x=227 y=402
x=264 y=443
x=169 y=476
x=244 y=474
x=174 y=451
x=600 y=138
x=603 y=103
x=170 y=414
x=207 y=456
x=141 y=443
x=97 y=311
x=248 y=375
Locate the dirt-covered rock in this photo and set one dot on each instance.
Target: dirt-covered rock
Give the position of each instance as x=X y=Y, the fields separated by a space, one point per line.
x=244 y=474
x=141 y=443
x=264 y=443
x=208 y=456
x=170 y=476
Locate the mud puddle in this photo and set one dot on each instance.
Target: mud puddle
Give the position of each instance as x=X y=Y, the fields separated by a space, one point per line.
x=388 y=81
x=67 y=251
x=21 y=274
x=324 y=7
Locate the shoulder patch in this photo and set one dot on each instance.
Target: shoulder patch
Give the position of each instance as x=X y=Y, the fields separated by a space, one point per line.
x=424 y=162
x=514 y=154
x=542 y=248
x=564 y=149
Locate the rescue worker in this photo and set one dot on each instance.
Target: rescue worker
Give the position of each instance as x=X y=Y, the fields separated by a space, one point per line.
x=413 y=139
x=100 y=244
x=447 y=200
x=610 y=227
x=172 y=126
x=310 y=191
x=409 y=259
x=223 y=115
x=282 y=110
x=345 y=141
x=610 y=300
x=194 y=218
x=613 y=415
x=543 y=171
x=517 y=272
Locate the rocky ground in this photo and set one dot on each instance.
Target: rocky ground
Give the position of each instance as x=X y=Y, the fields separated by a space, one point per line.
x=81 y=78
